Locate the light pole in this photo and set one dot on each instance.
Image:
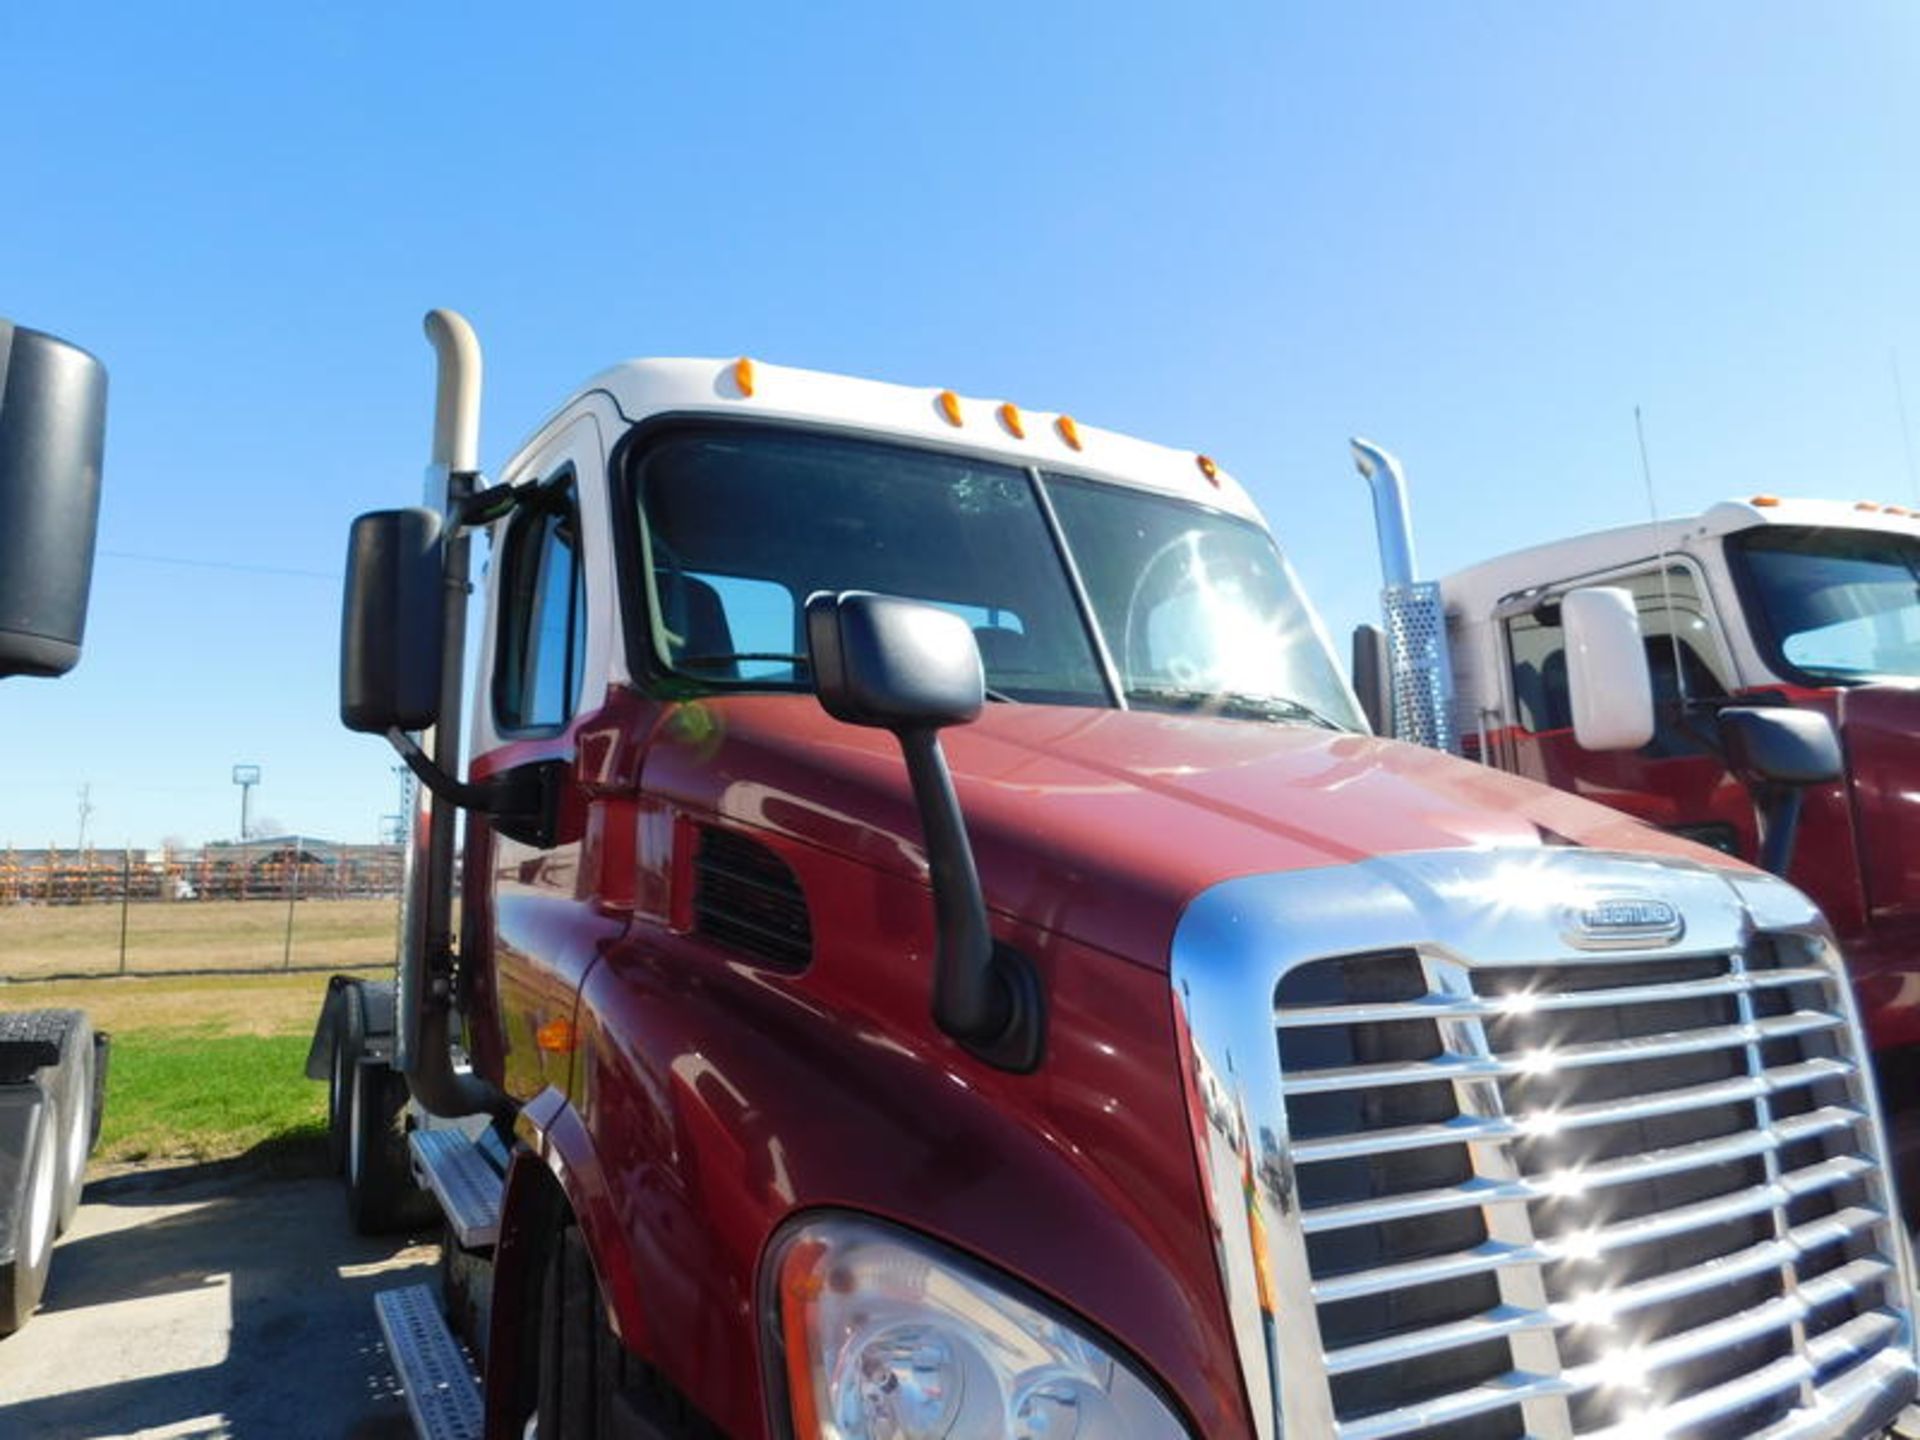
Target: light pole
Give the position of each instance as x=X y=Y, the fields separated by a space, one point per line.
x=246 y=777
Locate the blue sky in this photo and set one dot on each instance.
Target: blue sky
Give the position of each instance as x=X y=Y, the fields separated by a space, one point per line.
x=1479 y=233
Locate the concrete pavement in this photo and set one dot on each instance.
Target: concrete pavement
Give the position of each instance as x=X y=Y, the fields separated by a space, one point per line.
x=211 y=1303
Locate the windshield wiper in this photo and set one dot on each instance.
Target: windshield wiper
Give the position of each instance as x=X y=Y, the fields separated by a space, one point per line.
x=1239 y=704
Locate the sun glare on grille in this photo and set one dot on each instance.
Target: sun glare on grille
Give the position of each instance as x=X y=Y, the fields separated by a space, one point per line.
x=1616 y=1195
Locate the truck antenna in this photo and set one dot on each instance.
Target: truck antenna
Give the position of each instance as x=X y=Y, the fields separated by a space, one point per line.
x=1906 y=431
x=1663 y=558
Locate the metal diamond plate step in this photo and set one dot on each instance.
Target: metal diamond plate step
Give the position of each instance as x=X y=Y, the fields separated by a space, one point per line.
x=466 y=1185
x=442 y=1394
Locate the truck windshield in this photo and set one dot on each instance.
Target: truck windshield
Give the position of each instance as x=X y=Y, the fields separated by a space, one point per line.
x=1837 y=605
x=1196 y=609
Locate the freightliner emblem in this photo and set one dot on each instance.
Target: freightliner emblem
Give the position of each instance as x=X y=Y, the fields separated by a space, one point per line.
x=1619 y=922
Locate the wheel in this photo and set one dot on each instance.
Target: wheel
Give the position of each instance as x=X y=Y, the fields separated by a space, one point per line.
x=381 y=1195
x=24 y=1280
x=588 y=1386
x=344 y=1057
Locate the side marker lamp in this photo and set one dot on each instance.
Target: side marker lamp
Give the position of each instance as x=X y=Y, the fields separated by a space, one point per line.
x=1764 y=502
x=886 y=1338
x=1208 y=469
x=1011 y=418
x=950 y=407
x=743 y=376
x=1069 y=431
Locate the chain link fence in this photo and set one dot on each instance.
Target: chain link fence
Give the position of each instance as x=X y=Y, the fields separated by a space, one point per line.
x=283 y=904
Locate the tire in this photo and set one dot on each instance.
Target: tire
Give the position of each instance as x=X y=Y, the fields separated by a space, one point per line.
x=24 y=1280
x=588 y=1386
x=343 y=1059
x=381 y=1196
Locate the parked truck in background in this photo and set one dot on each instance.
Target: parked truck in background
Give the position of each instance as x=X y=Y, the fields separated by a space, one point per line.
x=939 y=954
x=52 y=1064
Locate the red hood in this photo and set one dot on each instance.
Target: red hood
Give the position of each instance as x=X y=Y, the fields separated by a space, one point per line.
x=1103 y=824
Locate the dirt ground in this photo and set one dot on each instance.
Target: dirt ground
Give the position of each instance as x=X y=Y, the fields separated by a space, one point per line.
x=192 y=935
x=211 y=1302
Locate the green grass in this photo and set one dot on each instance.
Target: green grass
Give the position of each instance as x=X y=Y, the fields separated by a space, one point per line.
x=200 y=1095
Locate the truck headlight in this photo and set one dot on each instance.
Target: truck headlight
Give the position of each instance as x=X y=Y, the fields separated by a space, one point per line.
x=885 y=1338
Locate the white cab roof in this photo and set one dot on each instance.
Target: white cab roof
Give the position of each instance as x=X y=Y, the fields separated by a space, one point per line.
x=1477 y=589
x=645 y=388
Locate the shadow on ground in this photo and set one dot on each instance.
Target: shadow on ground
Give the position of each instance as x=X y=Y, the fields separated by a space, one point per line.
x=227 y=1299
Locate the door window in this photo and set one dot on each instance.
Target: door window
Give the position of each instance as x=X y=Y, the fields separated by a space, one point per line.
x=1684 y=654
x=543 y=615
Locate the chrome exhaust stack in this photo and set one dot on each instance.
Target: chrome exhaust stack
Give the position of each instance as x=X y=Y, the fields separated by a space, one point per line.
x=423 y=1024
x=1419 y=669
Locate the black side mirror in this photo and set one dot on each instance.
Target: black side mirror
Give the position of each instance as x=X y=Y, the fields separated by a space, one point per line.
x=391 y=625
x=883 y=661
x=1777 y=754
x=1372 y=679
x=915 y=669
x=53 y=422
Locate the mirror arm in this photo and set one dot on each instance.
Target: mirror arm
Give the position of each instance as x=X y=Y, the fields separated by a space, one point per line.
x=986 y=996
x=1779 y=820
x=454 y=792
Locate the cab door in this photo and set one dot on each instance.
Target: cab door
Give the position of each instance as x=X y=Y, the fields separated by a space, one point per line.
x=1678 y=780
x=543 y=671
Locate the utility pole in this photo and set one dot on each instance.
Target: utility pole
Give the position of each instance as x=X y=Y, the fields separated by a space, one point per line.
x=86 y=813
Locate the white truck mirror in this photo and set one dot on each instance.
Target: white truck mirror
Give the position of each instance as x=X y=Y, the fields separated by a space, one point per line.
x=1608 y=682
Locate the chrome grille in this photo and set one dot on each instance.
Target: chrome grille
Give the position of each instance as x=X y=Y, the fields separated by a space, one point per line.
x=1621 y=1194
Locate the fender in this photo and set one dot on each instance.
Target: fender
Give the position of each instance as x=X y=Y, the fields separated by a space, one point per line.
x=556 y=1165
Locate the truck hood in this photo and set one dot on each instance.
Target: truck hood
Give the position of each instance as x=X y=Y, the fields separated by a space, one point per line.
x=1104 y=824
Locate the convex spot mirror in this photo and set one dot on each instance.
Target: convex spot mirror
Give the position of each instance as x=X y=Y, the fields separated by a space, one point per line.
x=392 y=622
x=897 y=664
x=1770 y=746
x=53 y=421
x=1609 y=686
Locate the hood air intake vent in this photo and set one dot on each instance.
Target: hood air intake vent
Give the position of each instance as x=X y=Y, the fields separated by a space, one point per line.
x=747 y=898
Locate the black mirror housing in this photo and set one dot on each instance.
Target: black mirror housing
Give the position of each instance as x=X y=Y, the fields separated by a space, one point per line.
x=897 y=664
x=1772 y=746
x=391 y=628
x=53 y=421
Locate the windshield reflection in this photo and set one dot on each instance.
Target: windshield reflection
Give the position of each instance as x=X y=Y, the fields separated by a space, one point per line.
x=1838 y=605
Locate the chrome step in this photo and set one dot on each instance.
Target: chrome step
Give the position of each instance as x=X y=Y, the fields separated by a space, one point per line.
x=442 y=1394
x=463 y=1181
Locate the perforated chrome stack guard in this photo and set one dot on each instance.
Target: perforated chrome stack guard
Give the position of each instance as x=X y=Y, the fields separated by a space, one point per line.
x=1549 y=1143
x=1422 y=677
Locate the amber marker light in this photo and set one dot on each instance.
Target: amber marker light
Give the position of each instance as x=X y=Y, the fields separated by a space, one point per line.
x=556 y=1037
x=1865 y=505
x=743 y=376
x=1208 y=469
x=950 y=407
x=1010 y=417
x=801 y=1284
x=1069 y=431
x=1765 y=502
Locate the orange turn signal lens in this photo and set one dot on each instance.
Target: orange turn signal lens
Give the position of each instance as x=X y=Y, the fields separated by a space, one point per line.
x=950 y=407
x=743 y=375
x=556 y=1037
x=1010 y=417
x=1764 y=501
x=1069 y=431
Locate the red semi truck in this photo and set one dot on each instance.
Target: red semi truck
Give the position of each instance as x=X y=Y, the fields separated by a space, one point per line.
x=938 y=953
x=1804 y=608
x=53 y=1065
